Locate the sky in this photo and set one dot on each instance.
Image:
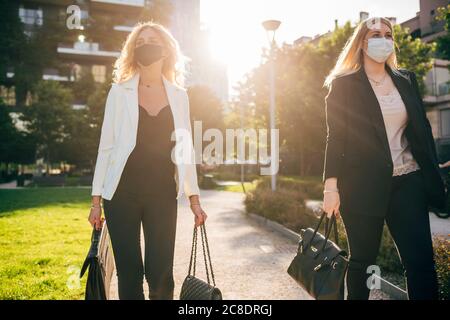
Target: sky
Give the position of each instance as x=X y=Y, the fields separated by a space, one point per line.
x=237 y=36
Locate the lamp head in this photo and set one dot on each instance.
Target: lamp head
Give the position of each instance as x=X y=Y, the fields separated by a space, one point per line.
x=271 y=25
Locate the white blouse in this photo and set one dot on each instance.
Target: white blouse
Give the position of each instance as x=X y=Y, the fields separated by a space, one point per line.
x=395 y=120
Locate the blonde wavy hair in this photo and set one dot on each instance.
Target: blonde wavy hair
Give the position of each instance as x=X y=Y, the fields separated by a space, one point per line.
x=173 y=67
x=351 y=57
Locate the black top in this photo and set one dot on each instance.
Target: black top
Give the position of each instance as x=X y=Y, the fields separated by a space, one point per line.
x=149 y=168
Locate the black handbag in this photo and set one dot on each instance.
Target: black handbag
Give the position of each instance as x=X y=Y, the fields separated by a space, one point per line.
x=194 y=288
x=101 y=265
x=320 y=265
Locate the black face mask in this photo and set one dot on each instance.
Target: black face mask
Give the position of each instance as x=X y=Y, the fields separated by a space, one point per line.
x=148 y=54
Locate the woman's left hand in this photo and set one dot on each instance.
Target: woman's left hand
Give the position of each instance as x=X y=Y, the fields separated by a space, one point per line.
x=200 y=215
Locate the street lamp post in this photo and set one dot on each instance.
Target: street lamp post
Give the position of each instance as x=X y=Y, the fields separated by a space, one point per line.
x=271 y=27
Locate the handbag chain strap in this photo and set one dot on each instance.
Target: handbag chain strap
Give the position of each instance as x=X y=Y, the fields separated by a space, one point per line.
x=209 y=254
x=206 y=255
x=192 y=263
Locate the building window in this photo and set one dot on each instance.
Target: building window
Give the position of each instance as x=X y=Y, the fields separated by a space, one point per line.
x=99 y=73
x=445 y=123
x=8 y=95
x=31 y=16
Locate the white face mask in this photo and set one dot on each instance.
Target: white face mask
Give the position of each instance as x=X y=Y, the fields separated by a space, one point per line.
x=379 y=49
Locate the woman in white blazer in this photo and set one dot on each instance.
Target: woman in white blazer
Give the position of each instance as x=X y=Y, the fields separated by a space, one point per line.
x=145 y=162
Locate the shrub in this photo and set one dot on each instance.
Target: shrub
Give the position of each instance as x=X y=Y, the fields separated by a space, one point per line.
x=206 y=181
x=310 y=187
x=442 y=259
x=388 y=258
x=285 y=205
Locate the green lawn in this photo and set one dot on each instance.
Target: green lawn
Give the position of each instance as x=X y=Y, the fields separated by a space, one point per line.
x=44 y=238
x=237 y=188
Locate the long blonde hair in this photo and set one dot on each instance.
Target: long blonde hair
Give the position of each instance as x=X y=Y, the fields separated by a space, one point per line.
x=351 y=58
x=173 y=67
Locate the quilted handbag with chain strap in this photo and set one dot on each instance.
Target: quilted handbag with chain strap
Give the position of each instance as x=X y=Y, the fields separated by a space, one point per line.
x=194 y=288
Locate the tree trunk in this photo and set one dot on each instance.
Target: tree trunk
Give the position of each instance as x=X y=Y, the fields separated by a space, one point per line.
x=47 y=163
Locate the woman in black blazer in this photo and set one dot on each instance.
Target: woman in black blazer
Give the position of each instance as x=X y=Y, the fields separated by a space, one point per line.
x=380 y=160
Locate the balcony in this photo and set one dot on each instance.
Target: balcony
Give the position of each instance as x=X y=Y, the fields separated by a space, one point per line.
x=133 y=3
x=443 y=89
x=45 y=76
x=123 y=28
x=89 y=50
x=437 y=83
x=438 y=93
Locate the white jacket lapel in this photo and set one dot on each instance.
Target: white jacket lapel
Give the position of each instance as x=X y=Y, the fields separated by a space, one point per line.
x=131 y=94
x=175 y=102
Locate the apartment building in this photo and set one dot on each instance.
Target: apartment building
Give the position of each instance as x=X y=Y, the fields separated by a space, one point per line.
x=98 y=55
x=437 y=99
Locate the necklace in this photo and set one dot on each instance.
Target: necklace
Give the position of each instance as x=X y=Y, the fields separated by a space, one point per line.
x=150 y=85
x=380 y=82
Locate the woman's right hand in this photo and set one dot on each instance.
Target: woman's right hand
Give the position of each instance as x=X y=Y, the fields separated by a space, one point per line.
x=95 y=217
x=331 y=203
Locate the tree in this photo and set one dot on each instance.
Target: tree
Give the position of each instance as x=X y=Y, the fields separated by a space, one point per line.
x=93 y=119
x=97 y=28
x=84 y=86
x=443 y=42
x=15 y=146
x=11 y=36
x=28 y=52
x=48 y=117
x=300 y=74
x=205 y=106
x=413 y=54
x=80 y=146
x=8 y=134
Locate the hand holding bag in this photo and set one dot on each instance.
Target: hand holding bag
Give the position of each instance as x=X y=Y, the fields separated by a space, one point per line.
x=320 y=265
x=101 y=265
x=194 y=288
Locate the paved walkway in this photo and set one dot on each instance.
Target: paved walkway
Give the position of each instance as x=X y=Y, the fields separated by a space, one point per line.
x=439 y=226
x=9 y=185
x=13 y=185
x=249 y=261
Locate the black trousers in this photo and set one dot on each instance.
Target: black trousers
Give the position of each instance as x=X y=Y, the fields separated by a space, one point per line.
x=124 y=214
x=409 y=225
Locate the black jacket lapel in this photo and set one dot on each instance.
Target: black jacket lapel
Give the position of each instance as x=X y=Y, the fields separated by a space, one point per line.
x=405 y=88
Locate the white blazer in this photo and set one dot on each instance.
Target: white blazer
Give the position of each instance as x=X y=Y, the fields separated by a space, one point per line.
x=118 y=138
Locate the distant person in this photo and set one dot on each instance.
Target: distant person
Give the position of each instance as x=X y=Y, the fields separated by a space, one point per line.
x=135 y=174
x=380 y=160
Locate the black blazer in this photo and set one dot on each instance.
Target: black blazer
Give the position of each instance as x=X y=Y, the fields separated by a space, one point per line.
x=357 y=150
